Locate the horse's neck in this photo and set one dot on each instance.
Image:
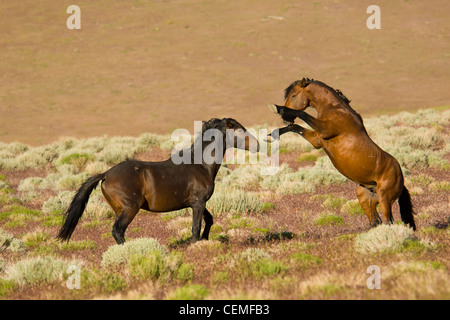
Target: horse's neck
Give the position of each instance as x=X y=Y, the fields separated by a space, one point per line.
x=322 y=99
x=217 y=157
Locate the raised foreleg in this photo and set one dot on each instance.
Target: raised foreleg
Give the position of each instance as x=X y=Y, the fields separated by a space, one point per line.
x=322 y=128
x=309 y=135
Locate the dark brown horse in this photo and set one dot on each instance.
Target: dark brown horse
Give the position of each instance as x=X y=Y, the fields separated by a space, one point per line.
x=340 y=131
x=164 y=186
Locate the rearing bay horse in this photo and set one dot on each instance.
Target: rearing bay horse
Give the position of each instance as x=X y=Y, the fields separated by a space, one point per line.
x=164 y=186
x=340 y=131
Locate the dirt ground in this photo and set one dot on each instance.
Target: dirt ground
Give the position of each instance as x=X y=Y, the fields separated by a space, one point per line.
x=154 y=66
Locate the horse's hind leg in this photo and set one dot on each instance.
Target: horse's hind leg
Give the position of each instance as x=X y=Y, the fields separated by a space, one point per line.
x=368 y=201
x=386 y=201
x=121 y=224
x=208 y=223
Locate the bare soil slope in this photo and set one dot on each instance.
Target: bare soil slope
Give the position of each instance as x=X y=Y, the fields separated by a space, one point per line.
x=138 y=66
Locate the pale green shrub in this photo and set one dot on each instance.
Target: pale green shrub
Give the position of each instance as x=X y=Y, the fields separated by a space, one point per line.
x=59 y=202
x=8 y=242
x=97 y=207
x=151 y=265
x=189 y=292
x=254 y=254
x=96 y=167
x=293 y=142
x=2 y=265
x=272 y=182
x=422 y=118
x=31 y=158
x=147 y=140
x=244 y=176
x=35 y=271
x=440 y=186
x=234 y=200
x=160 y=266
x=67 y=169
x=352 y=207
x=322 y=173
x=71 y=181
x=30 y=184
x=287 y=181
x=295 y=187
x=117 y=255
x=385 y=238
x=414 y=147
x=256 y=263
x=328 y=219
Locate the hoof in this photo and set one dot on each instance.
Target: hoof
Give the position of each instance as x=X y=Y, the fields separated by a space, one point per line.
x=273 y=108
x=273 y=136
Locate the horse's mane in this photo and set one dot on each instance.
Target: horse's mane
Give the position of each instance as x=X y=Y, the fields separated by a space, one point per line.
x=213 y=123
x=342 y=96
x=303 y=83
x=306 y=81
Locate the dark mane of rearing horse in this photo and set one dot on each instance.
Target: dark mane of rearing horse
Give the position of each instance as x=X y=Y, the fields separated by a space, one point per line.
x=288 y=90
x=343 y=98
x=303 y=83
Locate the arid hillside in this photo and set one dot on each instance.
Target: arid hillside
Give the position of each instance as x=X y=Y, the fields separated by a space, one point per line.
x=153 y=66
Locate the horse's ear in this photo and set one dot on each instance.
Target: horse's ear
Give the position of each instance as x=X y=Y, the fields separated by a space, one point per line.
x=305 y=81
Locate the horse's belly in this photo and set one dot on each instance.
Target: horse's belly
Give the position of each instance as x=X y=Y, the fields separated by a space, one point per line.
x=358 y=170
x=164 y=191
x=166 y=198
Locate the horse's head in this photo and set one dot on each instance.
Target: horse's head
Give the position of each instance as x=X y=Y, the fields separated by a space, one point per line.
x=238 y=137
x=295 y=95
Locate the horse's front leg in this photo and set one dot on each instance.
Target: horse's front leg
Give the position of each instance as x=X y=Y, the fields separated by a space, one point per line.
x=316 y=124
x=289 y=115
x=311 y=136
x=208 y=223
x=197 y=215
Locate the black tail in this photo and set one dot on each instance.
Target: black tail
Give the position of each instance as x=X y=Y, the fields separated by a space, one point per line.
x=406 y=208
x=77 y=206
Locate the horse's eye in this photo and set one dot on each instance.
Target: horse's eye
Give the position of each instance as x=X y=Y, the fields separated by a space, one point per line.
x=293 y=96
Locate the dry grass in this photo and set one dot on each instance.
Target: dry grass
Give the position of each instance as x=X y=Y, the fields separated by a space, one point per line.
x=271 y=238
